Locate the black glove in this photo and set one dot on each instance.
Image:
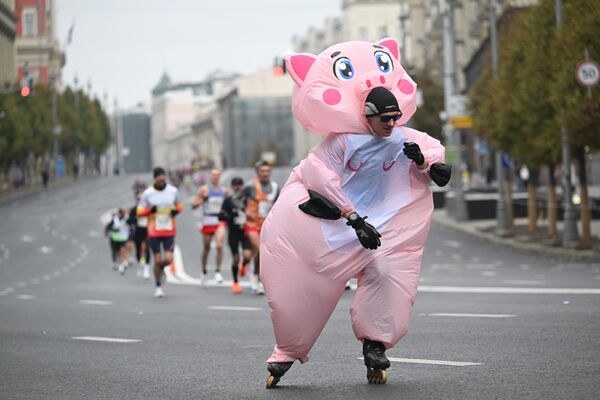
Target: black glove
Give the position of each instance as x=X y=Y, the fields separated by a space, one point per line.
x=222 y=216
x=366 y=233
x=153 y=210
x=320 y=207
x=413 y=151
x=174 y=212
x=440 y=173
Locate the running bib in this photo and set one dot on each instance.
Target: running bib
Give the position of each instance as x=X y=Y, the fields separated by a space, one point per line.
x=264 y=207
x=240 y=219
x=164 y=222
x=214 y=204
x=142 y=222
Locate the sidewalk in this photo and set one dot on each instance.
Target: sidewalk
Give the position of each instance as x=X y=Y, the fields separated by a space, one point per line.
x=20 y=193
x=485 y=229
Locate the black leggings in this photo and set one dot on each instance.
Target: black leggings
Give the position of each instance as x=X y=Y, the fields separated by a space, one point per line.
x=139 y=238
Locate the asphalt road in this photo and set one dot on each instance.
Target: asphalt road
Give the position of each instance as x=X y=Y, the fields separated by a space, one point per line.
x=488 y=323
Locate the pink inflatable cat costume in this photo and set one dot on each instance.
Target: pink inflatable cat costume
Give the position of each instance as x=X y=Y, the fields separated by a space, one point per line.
x=307 y=261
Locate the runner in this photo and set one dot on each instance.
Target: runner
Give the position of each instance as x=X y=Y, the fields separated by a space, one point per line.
x=139 y=234
x=259 y=197
x=118 y=230
x=161 y=204
x=232 y=212
x=211 y=197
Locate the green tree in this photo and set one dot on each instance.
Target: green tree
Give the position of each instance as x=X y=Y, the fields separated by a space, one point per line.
x=427 y=117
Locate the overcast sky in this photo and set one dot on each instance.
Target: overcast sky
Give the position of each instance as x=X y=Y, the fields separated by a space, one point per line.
x=123 y=46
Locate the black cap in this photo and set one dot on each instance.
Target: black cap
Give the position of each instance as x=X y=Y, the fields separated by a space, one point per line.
x=379 y=101
x=158 y=171
x=237 y=181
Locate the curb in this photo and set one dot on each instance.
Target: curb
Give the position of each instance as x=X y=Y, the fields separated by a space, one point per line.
x=10 y=196
x=581 y=255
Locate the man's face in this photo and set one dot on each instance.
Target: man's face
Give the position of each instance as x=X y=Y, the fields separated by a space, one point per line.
x=264 y=173
x=237 y=188
x=215 y=175
x=383 y=124
x=160 y=181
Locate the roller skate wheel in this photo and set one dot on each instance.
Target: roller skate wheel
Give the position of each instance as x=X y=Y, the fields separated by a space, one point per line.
x=272 y=381
x=377 y=376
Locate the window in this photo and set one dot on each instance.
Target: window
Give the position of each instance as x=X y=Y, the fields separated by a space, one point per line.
x=382 y=32
x=29 y=22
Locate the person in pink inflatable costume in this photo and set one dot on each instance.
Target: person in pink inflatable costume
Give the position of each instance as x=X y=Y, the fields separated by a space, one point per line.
x=316 y=238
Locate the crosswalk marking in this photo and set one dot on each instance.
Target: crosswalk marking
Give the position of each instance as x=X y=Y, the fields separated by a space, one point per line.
x=105 y=339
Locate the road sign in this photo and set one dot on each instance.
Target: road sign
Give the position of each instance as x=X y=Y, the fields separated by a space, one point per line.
x=461 y=122
x=588 y=74
x=457 y=106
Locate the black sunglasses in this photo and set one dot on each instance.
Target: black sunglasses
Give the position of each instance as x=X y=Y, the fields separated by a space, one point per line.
x=387 y=118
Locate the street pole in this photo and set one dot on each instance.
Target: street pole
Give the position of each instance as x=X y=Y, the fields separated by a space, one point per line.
x=570 y=233
x=404 y=15
x=503 y=223
x=446 y=7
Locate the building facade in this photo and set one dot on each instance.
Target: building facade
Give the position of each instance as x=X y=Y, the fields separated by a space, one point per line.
x=135 y=126
x=8 y=33
x=38 y=54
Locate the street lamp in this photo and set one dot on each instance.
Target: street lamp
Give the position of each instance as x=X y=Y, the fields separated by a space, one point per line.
x=503 y=223
x=570 y=234
x=404 y=15
x=447 y=10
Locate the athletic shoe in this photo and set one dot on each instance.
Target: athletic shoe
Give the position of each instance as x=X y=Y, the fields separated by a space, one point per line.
x=204 y=280
x=146 y=273
x=236 y=288
x=253 y=283
x=243 y=270
x=260 y=289
x=122 y=269
x=218 y=277
x=159 y=292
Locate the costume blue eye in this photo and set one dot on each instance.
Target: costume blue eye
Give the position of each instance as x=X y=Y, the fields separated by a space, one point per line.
x=343 y=70
x=384 y=62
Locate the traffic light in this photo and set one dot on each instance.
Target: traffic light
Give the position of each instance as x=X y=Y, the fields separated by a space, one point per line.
x=279 y=67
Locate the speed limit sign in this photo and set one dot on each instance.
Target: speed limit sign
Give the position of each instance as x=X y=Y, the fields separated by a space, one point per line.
x=588 y=74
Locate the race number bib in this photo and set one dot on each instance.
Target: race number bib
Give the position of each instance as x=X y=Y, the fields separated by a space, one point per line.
x=240 y=219
x=264 y=207
x=214 y=205
x=164 y=222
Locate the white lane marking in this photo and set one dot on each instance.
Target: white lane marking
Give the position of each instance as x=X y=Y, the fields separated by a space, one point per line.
x=452 y=243
x=46 y=277
x=21 y=284
x=488 y=273
x=27 y=238
x=96 y=302
x=57 y=273
x=65 y=269
x=105 y=339
x=522 y=282
x=35 y=281
x=46 y=249
x=506 y=290
x=234 y=308
x=94 y=234
x=54 y=233
x=63 y=237
x=9 y=289
x=74 y=242
x=467 y=315
x=432 y=362
x=25 y=297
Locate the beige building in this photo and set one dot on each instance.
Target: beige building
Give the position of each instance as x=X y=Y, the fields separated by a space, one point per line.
x=38 y=51
x=8 y=31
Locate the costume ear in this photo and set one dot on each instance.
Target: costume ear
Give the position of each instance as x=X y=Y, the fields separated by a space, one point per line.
x=392 y=45
x=298 y=65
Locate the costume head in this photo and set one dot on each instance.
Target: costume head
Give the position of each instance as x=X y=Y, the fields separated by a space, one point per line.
x=331 y=88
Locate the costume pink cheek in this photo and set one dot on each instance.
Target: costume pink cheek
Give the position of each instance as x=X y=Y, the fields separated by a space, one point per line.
x=405 y=86
x=332 y=97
